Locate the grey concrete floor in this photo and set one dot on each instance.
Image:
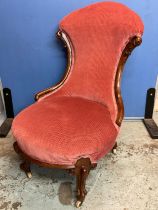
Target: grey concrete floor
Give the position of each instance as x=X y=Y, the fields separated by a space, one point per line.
x=125 y=181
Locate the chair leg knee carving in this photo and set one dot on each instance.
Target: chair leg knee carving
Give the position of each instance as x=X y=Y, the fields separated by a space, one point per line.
x=82 y=169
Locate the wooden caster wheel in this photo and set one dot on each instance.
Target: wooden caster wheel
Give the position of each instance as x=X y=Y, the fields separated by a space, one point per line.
x=78 y=204
x=29 y=175
x=25 y=166
x=114 y=151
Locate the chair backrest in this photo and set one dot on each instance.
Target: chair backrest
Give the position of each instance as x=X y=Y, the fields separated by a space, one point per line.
x=98 y=35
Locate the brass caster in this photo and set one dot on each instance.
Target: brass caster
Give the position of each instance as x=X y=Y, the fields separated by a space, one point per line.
x=29 y=175
x=114 y=151
x=78 y=204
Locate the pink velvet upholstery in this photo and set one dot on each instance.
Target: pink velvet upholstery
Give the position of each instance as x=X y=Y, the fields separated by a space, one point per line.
x=98 y=33
x=78 y=120
x=63 y=129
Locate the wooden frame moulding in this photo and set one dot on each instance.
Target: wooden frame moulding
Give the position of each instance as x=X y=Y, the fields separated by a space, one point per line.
x=67 y=43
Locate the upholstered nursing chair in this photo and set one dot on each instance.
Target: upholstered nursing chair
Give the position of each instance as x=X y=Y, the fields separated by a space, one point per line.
x=75 y=123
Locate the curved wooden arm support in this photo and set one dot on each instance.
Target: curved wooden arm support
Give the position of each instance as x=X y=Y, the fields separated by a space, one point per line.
x=133 y=42
x=64 y=37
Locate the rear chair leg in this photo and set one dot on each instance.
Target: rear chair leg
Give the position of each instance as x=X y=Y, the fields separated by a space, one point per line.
x=82 y=169
x=25 y=166
x=114 y=149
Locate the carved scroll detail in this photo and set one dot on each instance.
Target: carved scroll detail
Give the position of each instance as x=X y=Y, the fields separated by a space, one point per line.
x=133 y=42
x=64 y=37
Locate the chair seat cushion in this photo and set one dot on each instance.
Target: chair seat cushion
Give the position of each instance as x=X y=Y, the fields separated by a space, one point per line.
x=60 y=130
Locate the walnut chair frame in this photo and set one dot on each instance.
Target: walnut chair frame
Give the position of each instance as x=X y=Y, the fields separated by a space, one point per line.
x=83 y=165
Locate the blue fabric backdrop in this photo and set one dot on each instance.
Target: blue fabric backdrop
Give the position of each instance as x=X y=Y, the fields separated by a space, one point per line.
x=31 y=58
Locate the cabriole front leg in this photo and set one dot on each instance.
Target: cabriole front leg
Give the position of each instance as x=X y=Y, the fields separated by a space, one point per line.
x=82 y=169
